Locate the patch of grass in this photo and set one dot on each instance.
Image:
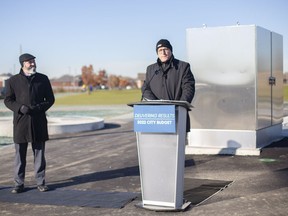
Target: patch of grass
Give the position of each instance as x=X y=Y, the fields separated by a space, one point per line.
x=110 y=97
x=285 y=93
x=100 y=97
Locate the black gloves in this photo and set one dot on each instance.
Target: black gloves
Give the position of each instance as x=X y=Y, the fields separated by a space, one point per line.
x=25 y=109
x=30 y=110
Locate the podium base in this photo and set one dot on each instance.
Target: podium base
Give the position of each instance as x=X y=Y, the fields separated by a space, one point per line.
x=185 y=205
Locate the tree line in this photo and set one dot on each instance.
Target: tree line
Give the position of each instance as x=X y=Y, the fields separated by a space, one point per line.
x=101 y=79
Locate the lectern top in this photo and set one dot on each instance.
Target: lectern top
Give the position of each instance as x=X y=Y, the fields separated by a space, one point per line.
x=184 y=104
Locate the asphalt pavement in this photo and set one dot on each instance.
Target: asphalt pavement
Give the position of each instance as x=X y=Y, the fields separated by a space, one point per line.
x=106 y=160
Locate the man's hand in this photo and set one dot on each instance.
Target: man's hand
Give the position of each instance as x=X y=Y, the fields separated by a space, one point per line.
x=25 y=109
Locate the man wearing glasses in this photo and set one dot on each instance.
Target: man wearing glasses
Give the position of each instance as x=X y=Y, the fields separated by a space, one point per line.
x=168 y=78
x=29 y=95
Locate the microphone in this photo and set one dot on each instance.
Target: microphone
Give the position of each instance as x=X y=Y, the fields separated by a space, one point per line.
x=148 y=83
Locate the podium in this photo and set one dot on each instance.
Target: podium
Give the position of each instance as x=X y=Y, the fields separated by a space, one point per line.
x=160 y=128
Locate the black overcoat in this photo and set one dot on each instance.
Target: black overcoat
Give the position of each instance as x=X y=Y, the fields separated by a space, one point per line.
x=29 y=91
x=175 y=82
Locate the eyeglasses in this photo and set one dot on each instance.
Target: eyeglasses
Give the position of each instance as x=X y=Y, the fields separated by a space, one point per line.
x=163 y=50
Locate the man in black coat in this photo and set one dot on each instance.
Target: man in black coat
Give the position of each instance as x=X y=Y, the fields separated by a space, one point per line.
x=168 y=78
x=29 y=95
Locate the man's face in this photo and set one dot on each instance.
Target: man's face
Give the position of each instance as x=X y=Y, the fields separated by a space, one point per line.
x=29 y=65
x=164 y=54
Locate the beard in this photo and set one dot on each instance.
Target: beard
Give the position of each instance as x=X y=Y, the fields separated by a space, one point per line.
x=31 y=70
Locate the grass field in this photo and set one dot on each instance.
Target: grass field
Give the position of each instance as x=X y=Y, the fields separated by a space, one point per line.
x=100 y=97
x=285 y=93
x=110 y=97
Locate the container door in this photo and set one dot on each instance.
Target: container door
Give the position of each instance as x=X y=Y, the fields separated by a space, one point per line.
x=264 y=79
x=276 y=78
x=269 y=79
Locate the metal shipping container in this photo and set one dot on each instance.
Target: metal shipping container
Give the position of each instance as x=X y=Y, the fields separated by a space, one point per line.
x=239 y=88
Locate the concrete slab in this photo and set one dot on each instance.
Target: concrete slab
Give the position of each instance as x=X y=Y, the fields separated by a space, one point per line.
x=58 y=125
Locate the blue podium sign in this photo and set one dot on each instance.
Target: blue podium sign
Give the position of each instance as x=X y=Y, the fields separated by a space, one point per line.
x=154 y=118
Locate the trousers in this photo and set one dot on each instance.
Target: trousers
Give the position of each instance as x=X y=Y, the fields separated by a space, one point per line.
x=20 y=162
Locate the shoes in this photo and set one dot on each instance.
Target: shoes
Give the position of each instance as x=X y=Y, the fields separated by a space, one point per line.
x=18 y=189
x=42 y=188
